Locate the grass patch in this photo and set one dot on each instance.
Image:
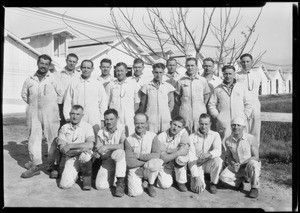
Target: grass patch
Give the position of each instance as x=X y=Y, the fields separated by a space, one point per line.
x=276 y=103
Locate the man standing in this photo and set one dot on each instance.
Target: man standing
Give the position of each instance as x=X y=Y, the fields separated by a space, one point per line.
x=123 y=96
x=241 y=158
x=42 y=93
x=174 y=146
x=252 y=80
x=138 y=75
x=206 y=149
x=192 y=93
x=157 y=100
x=89 y=93
x=208 y=73
x=229 y=100
x=142 y=158
x=110 y=146
x=105 y=67
x=75 y=141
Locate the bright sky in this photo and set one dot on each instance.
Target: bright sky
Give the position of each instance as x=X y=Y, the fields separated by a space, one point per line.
x=274 y=26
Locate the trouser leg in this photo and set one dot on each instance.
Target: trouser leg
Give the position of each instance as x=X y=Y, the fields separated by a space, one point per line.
x=134 y=183
x=165 y=179
x=255 y=125
x=70 y=173
x=180 y=174
x=105 y=176
x=252 y=171
x=230 y=177
x=35 y=139
x=213 y=167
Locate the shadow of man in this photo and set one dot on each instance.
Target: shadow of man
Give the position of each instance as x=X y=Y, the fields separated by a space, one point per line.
x=18 y=151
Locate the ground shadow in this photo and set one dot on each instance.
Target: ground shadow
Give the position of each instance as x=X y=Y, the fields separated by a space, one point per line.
x=18 y=151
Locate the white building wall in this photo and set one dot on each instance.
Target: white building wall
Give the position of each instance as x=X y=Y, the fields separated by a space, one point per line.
x=280 y=84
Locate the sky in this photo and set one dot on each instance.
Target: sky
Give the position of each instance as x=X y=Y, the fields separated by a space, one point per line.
x=274 y=27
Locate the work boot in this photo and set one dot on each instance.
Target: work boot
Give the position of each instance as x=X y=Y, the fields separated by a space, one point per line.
x=54 y=172
x=253 y=193
x=120 y=189
x=87 y=183
x=33 y=170
x=151 y=190
x=28 y=165
x=181 y=187
x=213 y=188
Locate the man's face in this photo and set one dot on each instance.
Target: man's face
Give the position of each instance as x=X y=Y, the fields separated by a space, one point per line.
x=175 y=127
x=138 y=69
x=158 y=74
x=171 y=66
x=228 y=75
x=76 y=116
x=237 y=129
x=204 y=125
x=246 y=63
x=121 y=73
x=87 y=69
x=191 y=67
x=110 y=121
x=43 y=65
x=71 y=63
x=208 y=67
x=140 y=123
x=105 y=68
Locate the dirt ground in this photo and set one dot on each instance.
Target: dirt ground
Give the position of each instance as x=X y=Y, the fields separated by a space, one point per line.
x=41 y=191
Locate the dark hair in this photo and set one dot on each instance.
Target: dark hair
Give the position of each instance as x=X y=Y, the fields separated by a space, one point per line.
x=77 y=106
x=246 y=55
x=138 y=61
x=228 y=67
x=158 y=65
x=45 y=57
x=179 y=119
x=171 y=59
x=191 y=59
x=86 y=60
x=111 y=111
x=105 y=60
x=140 y=113
x=121 y=64
x=209 y=59
x=73 y=55
x=204 y=115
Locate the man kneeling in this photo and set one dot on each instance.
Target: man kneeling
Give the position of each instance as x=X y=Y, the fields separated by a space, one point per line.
x=75 y=141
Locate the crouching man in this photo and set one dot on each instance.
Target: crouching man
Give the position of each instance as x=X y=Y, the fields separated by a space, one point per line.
x=205 y=152
x=75 y=141
x=110 y=146
x=174 y=148
x=241 y=158
x=142 y=158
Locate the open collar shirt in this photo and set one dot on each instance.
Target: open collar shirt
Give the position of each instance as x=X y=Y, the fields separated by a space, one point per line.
x=141 y=144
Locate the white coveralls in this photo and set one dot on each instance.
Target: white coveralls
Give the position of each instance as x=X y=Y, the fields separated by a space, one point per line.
x=106 y=80
x=141 y=145
x=111 y=167
x=65 y=78
x=78 y=134
x=252 y=81
x=122 y=97
x=42 y=114
x=210 y=143
x=142 y=79
x=191 y=92
x=224 y=106
x=157 y=106
x=165 y=179
x=90 y=94
x=241 y=151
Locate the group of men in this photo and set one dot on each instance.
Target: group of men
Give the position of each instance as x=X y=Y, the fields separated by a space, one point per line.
x=145 y=131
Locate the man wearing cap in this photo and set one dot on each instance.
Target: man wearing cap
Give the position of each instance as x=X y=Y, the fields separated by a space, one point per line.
x=110 y=147
x=241 y=158
x=174 y=147
x=142 y=158
x=205 y=152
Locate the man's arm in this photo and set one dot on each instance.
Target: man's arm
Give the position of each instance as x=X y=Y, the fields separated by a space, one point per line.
x=67 y=100
x=217 y=146
x=171 y=101
x=102 y=101
x=131 y=157
x=137 y=99
x=144 y=101
x=212 y=104
x=155 y=151
x=254 y=151
x=248 y=104
x=24 y=92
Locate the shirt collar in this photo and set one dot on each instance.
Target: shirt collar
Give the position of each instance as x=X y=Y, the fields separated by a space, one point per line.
x=236 y=140
x=101 y=76
x=139 y=137
x=74 y=127
x=67 y=72
x=203 y=135
x=88 y=80
x=35 y=75
x=195 y=77
x=118 y=82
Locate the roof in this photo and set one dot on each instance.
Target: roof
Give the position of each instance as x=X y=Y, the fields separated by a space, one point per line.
x=65 y=32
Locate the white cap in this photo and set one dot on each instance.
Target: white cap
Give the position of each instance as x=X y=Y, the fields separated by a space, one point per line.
x=238 y=120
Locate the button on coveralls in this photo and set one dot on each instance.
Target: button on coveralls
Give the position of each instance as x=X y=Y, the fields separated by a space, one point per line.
x=42 y=114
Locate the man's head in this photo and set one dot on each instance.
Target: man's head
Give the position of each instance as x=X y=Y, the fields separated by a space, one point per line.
x=71 y=61
x=121 y=70
x=177 y=124
x=105 y=66
x=204 y=123
x=208 y=66
x=87 y=67
x=138 y=67
x=140 y=123
x=246 y=61
x=237 y=126
x=43 y=63
x=111 y=118
x=228 y=73
x=158 y=71
x=76 y=114
x=171 y=65
x=191 y=66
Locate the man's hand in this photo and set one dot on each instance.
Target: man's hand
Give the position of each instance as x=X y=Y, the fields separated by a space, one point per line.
x=65 y=149
x=199 y=185
x=102 y=149
x=203 y=156
x=236 y=167
x=183 y=150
